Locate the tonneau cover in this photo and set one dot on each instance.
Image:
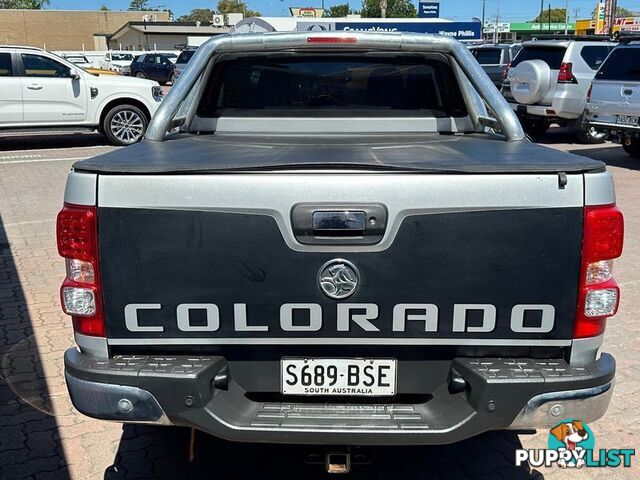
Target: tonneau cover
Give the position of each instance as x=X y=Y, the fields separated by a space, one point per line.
x=468 y=153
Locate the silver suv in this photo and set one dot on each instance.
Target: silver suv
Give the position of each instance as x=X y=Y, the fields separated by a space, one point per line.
x=548 y=83
x=613 y=106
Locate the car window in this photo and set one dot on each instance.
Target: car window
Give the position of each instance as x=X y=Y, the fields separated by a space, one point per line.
x=333 y=86
x=39 y=66
x=552 y=56
x=487 y=56
x=185 y=56
x=622 y=64
x=594 y=55
x=139 y=59
x=119 y=57
x=6 y=70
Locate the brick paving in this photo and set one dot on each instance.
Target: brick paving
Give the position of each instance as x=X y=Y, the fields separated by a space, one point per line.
x=42 y=437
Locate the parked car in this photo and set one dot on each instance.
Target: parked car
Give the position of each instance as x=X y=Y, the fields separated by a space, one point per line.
x=155 y=66
x=613 y=106
x=495 y=59
x=41 y=90
x=78 y=59
x=548 y=81
x=117 y=61
x=184 y=58
x=315 y=258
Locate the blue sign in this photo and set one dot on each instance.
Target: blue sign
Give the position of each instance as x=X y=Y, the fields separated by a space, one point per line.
x=428 y=9
x=457 y=30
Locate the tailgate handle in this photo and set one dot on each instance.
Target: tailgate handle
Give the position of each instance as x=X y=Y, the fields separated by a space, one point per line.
x=338 y=224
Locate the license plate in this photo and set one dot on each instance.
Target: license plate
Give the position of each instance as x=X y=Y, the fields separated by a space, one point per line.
x=338 y=376
x=627 y=120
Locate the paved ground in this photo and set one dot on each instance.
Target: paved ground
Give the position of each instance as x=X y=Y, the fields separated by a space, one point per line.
x=42 y=437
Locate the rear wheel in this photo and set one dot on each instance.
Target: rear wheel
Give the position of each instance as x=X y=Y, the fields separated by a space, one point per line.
x=140 y=75
x=125 y=124
x=588 y=134
x=535 y=127
x=631 y=146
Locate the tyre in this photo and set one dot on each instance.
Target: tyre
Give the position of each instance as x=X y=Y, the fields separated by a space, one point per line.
x=587 y=134
x=125 y=124
x=140 y=75
x=631 y=146
x=535 y=128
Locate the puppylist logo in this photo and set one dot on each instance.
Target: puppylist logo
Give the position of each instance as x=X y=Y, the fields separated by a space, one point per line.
x=571 y=444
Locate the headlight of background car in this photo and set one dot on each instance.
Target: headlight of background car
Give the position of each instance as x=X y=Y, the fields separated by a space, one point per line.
x=156 y=90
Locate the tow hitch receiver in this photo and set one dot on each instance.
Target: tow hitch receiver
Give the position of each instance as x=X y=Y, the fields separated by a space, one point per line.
x=338 y=461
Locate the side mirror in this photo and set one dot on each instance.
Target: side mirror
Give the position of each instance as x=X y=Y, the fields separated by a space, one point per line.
x=74 y=74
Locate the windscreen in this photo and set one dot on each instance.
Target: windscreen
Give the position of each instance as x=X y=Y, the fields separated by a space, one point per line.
x=551 y=55
x=487 y=56
x=310 y=85
x=622 y=64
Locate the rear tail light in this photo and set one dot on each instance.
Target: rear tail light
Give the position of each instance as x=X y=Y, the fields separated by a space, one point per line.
x=565 y=75
x=599 y=295
x=76 y=231
x=506 y=71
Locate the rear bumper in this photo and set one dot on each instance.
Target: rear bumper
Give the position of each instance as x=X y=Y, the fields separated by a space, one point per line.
x=555 y=111
x=481 y=395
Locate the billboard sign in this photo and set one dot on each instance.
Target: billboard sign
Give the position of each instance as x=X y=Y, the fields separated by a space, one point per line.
x=428 y=9
x=457 y=30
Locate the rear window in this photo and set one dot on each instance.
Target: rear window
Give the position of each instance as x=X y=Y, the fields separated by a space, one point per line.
x=185 y=56
x=310 y=85
x=622 y=64
x=487 y=56
x=594 y=55
x=551 y=55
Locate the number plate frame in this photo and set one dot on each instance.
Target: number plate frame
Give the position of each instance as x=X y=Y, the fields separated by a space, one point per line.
x=630 y=120
x=340 y=388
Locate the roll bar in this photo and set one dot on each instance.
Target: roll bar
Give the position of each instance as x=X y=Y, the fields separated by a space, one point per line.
x=162 y=121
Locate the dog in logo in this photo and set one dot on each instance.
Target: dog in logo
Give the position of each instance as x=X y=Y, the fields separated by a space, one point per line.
x=570 y=434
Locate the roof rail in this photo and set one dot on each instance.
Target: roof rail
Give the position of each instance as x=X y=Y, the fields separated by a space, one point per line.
x=23 y=47
x=627 y=37
x=561 y=36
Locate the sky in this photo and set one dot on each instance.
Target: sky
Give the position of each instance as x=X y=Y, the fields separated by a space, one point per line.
x=460 y=10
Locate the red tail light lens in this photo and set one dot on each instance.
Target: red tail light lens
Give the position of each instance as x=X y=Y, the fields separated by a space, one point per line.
x=506 y=71
x=565 y=75
x=332 y=40
x=76 y=232
x=599 y=295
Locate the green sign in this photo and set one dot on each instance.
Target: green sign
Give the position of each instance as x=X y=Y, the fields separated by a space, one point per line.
x=540 y=27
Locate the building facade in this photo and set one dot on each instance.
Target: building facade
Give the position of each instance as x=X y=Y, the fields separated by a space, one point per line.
x=67 y=29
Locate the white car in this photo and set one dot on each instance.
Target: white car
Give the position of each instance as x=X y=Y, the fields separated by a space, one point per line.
x=41 y=90
x=117 y=61
x=548 y=81
x=77 y=59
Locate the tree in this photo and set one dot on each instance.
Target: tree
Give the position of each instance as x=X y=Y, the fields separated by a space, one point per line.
x=558 y=15
x=104 y=8
x=395 y=9
x=139 y=5
x=201 y=15
x=338 y=11
x=235 y=6
x=621 y=12
x=24 y=4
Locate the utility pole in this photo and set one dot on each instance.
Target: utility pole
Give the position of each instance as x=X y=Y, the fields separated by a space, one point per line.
x=541 y=12
x=383 y=8
x=566 y=17
x=483 y=8
x=495 y=30
x=549 y=17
